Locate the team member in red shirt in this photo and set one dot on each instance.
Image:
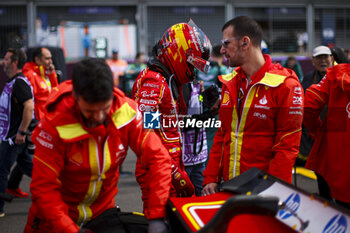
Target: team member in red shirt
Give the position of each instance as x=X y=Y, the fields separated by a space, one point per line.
x=261 y=110
x=41 y=74
x=80 y=144
x=329 y=155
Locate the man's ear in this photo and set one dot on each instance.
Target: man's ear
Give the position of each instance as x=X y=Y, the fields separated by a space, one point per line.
x=246 y=41
x=37 y=60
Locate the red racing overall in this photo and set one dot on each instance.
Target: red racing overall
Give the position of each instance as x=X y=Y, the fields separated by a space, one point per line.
x=76 y=170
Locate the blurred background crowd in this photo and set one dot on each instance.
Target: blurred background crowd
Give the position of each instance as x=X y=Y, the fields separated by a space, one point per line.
x=106 y=28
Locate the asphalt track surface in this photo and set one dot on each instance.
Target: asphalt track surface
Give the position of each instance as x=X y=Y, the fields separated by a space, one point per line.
x=128 y=197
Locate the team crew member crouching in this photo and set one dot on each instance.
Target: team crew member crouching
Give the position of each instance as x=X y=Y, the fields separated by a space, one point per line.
x=80 y=144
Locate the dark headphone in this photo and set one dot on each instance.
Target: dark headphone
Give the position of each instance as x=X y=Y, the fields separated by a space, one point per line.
x=244 y=43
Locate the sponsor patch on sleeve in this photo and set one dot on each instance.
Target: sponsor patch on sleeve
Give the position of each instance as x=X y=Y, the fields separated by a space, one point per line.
x=44 y=139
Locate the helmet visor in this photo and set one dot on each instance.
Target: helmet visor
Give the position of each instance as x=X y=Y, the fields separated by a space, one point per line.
x=202 y=40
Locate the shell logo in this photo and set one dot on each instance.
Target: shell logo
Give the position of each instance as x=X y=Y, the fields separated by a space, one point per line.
x=43 y=85
x=78 y=158
x=226 y=99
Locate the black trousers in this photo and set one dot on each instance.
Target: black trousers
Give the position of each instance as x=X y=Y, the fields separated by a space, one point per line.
x=323 y=187
x=15 y=178
x=115 y=221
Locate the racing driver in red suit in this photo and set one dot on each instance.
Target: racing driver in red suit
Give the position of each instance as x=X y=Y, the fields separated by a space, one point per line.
x=80 y=144
x=182 y=48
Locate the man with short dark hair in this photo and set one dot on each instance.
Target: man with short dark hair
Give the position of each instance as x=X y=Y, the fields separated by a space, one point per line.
x=261 y=110
x=42 y=75
x=16 y=113
x=80 y=144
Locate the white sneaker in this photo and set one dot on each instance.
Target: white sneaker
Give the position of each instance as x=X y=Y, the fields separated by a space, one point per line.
x=2 y=214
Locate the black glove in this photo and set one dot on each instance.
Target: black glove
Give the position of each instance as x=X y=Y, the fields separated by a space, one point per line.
x=157 y=226
x=210 y=95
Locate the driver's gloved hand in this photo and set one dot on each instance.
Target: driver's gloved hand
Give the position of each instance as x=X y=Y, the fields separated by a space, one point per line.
x=181 y=182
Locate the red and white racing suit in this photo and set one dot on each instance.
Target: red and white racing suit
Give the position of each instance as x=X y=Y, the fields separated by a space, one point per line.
x=76 y=169
x=152 y=94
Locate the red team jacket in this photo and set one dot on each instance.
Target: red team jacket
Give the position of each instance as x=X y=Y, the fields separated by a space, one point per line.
x=267 y=133
x=41 y=88
x=75 y=173
x=329 y=155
